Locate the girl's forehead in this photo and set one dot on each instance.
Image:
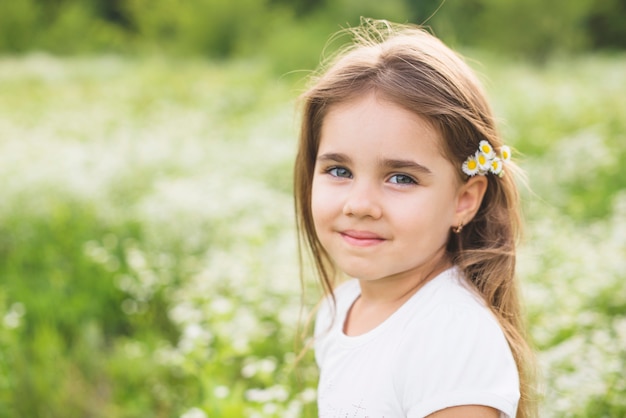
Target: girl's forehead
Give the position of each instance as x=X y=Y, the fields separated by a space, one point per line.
x=369 y=129
x=374 y=114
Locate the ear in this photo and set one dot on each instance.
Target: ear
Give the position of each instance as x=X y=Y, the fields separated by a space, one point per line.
x=469 y=198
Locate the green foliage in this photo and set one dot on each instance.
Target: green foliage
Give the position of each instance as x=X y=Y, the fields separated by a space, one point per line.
x=606 y=24
x=73 y=322
x=214 y=28
x=289 y=32
x=17 y=22
x=66 y=27
x=534 y=28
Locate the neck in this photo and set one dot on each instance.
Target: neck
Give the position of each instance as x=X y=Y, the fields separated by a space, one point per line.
x=399 y=288
x=382 y=297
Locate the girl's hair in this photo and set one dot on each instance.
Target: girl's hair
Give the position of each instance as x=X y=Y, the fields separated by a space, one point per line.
x=411 y=68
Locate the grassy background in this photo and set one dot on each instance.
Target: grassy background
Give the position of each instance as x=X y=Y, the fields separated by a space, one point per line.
x=147 y=248
x=148 y=252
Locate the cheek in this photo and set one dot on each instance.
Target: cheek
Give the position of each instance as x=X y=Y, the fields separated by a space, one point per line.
x=318 y=203
x=432 y=214
x=325 y=206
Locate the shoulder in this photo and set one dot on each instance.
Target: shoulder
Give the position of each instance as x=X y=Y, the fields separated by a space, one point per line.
x=455 y=320
x=462 y=328
x=458 y=347
x=449 y=299
x=456 y=323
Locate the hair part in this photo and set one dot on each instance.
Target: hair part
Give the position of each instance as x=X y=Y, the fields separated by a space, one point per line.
x=408 y=66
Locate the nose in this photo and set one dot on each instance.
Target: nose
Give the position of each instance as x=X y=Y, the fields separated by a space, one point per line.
x=362 y=201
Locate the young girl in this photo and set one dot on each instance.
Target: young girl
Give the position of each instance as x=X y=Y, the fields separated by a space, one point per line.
x=403 y=183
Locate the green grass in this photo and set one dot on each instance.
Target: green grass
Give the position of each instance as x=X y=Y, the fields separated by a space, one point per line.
x=148 y=248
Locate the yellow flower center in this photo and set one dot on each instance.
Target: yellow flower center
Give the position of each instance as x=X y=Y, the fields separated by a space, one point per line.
x=486 y=149
x=505 y=154
x=471 y=164
x=482 y=160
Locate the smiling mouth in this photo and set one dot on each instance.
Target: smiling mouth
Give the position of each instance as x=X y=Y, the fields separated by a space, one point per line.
x=361 y=238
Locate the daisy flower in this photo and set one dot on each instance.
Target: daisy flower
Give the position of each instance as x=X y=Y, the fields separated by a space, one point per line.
x=484 y=162
x=470 y=166
x=505 y=153
x=486 y=148
x=497 y=167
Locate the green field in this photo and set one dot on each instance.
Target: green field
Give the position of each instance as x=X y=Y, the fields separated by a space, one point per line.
x=148 y=261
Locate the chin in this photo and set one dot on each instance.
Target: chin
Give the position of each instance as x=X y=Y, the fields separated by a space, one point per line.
x=361 y=275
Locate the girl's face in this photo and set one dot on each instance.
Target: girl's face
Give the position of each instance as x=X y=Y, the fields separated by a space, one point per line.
x=383 y=196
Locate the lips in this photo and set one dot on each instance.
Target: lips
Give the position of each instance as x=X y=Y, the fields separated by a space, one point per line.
x=361 y=238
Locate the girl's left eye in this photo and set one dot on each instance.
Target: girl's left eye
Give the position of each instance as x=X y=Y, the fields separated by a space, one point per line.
x=402 y=179
x=339 y=172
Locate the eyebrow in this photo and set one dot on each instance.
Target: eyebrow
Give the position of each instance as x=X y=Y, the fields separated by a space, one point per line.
x=404 y=165
x=334 y=157
x=391 y=163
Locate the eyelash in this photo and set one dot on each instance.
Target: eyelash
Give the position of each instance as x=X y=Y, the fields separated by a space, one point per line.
x=334 y=169
x=410 y=179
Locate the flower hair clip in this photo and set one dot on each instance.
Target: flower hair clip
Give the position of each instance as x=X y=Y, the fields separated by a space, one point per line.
x=486 y=160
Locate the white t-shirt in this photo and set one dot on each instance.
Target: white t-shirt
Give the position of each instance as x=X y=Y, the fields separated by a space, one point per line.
x=441 y=348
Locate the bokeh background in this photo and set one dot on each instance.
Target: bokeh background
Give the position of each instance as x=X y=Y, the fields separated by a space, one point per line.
x=148 y=265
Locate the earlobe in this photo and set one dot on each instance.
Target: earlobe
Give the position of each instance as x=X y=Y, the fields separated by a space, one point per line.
x=469 y=199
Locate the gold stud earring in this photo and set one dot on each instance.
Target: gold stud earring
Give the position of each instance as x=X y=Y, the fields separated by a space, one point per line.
x=457 y=229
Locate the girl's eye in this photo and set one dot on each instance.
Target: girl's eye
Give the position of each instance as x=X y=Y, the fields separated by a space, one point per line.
x=402 y=179
x=339 y=172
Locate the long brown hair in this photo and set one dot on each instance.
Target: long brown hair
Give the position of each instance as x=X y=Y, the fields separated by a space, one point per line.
x=415 y=70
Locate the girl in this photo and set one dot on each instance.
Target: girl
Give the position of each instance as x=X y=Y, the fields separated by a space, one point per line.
x=402 y=182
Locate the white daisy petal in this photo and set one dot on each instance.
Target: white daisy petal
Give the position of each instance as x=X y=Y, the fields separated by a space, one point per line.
x=470 y=166
x=496 y=167
x=486 y=148
x=484 y=162
x=505 y=153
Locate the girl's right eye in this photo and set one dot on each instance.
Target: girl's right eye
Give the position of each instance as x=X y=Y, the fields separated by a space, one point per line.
x=339 y=172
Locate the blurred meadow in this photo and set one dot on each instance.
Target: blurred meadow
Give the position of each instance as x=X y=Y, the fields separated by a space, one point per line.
x=148 y=260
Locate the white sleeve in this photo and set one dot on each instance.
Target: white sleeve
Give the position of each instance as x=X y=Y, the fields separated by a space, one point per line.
x=457 y=356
